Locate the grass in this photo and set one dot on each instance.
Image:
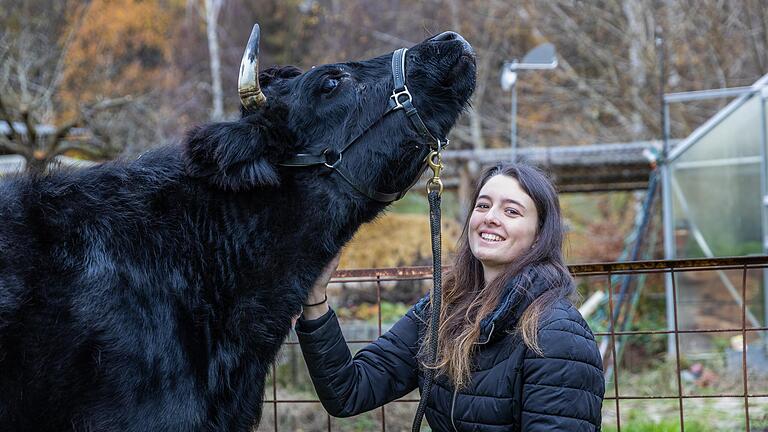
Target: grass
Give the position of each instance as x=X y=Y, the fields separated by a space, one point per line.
x=662 y=426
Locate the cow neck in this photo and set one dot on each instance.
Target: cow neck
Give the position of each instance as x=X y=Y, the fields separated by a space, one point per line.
x=400 y=99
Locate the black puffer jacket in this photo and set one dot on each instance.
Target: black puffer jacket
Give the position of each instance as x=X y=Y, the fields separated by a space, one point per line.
x=512 y=388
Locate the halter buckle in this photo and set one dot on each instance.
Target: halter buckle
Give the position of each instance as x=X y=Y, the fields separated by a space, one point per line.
x=396 y=97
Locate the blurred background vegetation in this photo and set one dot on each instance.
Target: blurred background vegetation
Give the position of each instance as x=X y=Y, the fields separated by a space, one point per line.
x=137 y=73
x=117 y=77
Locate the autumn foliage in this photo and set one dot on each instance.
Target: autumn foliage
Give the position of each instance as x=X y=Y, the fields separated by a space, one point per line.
x=118 y=47
x=397 y=239
x=58 y=57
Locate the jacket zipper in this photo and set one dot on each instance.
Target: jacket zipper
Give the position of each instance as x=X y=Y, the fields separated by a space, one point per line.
x=456 y=391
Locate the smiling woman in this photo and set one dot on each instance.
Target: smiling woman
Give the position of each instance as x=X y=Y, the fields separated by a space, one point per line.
x=514 y=353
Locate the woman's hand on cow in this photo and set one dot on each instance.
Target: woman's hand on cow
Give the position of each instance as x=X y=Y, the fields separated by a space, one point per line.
x=317 y=296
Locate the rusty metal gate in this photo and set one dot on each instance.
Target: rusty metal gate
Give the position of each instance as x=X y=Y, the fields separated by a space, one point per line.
x=692 y=396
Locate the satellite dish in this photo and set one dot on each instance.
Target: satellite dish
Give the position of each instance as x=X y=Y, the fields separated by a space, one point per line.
x=543 y=54
x=541 y=57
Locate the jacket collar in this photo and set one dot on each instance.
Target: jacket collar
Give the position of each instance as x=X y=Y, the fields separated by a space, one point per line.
x=518 y=294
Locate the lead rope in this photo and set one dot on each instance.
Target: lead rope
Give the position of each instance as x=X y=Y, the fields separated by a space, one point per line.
x=434 y=190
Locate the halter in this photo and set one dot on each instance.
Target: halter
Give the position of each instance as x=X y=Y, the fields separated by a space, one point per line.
x=399 y=99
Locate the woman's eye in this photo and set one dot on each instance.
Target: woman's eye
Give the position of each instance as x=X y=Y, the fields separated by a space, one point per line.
x=481 y=206
x=329 y=84
x=513 y=212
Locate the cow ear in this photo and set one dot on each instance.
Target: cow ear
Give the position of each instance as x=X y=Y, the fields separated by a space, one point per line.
x=239 y=155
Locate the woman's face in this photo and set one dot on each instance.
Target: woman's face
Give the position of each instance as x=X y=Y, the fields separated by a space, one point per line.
x=503 y=223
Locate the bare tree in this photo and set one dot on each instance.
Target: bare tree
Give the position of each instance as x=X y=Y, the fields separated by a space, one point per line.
x=29 y=80
x=605 y=89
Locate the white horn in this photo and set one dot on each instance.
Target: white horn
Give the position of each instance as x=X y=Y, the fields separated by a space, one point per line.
x=251 y=95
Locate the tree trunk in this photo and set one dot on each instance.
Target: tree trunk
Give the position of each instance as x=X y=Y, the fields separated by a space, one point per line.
x=212 y=8
x=637 y=39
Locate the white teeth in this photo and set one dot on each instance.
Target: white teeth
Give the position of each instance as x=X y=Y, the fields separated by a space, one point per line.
x=490 y=237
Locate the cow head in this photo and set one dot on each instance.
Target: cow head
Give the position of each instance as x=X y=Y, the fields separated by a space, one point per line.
x=291 y=112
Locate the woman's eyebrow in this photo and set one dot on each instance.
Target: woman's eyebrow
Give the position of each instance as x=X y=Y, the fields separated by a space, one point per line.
x=505 y=200
x=510 y=200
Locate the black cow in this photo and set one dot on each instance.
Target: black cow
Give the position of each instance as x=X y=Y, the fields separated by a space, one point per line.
x=153 y=294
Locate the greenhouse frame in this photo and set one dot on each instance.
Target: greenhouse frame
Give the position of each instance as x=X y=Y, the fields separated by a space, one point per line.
x=715 y=198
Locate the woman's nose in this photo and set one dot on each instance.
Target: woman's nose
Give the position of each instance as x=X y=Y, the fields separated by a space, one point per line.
x=491 y=218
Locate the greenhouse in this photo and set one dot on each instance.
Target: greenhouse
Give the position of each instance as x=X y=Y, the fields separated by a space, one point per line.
x=714 y=191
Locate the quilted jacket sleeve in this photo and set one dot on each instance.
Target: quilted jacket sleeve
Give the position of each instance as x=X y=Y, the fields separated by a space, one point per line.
x=379 y=373
x=563 y=389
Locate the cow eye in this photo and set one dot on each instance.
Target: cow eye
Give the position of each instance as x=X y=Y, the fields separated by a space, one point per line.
x=328 y=85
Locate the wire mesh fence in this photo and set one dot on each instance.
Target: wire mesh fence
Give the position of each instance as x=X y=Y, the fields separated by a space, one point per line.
x=681 y=350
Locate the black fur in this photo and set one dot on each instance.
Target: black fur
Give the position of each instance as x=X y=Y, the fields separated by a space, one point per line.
x=153 y=295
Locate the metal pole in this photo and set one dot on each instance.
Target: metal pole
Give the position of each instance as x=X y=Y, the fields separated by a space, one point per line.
x=708 y=94
x=764 y=207
x=669 y=233
x=666 y=196
x=513 y=120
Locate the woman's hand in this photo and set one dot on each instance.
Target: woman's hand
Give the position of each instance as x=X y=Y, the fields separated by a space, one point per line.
x=318 y=292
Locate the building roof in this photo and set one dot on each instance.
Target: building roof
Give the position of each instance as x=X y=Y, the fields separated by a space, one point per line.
x=589 y=168
x=10 y=164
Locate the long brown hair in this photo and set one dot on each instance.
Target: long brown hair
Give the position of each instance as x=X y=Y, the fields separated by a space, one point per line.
x=466 y=299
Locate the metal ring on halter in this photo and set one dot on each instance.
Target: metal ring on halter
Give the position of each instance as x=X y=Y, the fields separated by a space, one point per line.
x=332 y=166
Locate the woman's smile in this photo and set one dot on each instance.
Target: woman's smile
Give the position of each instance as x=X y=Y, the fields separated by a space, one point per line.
x=490 y=237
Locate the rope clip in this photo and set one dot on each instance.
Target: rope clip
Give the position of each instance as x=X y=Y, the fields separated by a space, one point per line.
x=435 y=162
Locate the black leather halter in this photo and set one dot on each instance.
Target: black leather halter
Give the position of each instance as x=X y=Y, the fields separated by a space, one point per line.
x=400 y=99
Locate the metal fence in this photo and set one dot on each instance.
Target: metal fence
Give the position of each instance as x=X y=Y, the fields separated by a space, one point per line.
x=680 y=400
